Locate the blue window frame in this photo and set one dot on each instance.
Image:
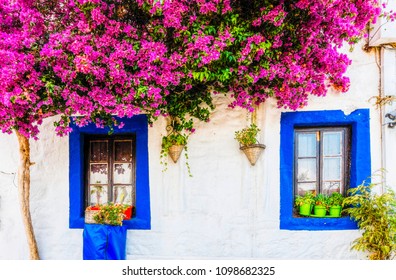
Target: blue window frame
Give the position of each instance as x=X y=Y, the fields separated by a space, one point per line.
x=360 y=162
x=136 y=125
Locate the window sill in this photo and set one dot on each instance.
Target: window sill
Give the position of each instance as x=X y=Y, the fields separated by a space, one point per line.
x=314 y=223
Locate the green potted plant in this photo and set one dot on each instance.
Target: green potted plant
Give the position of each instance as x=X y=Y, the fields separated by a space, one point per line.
x=248 y=143
x=109 y=214
x=321 y=205
x=304 y=203
x=335 y=204
x=375 y=214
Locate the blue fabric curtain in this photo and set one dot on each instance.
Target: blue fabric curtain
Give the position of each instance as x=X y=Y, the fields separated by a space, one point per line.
x=104 y=242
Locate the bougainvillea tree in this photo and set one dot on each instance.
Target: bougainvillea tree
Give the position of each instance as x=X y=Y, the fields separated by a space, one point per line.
x=259 y=49
x=168 y=57
x=91 y=60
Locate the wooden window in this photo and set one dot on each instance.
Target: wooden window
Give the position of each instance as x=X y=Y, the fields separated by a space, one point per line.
x=110 y=170
x=321 y=160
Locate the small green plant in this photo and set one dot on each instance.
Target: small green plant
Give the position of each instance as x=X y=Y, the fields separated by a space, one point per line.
x=322 y=199
x=248 y=135
x=375 y=215
x=336 y=199
x=304 y=203
x=307 y=198
x=111 y=214
x=173 y=139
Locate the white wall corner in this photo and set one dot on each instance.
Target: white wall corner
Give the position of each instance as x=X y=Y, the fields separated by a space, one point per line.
x=383 y=32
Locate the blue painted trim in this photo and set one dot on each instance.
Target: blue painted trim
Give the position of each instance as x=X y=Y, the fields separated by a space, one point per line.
x=137 y=125
x=359 y=121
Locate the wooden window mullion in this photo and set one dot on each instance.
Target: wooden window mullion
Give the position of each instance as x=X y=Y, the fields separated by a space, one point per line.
x=347 y=160
x=343 y=159
x=319 y=161
x=295 y=162
x=134 y=169
x=110 y=175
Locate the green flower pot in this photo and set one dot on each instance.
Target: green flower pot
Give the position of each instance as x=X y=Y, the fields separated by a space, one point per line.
x=305 y=209
x=320 y=211
x=335 y=211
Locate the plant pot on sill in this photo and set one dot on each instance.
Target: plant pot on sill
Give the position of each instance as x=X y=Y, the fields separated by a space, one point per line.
x=320 y=211
x=89 y=215
x=128 y=213
x=106 y=215
x=305 y=209
x=335 y=211
x=175 y=151
x=253 y=152
x=90 y=218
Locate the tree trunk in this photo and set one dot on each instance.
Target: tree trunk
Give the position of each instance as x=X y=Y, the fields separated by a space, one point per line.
x=24 y=193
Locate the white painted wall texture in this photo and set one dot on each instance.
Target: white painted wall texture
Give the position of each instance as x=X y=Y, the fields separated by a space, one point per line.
x=227 y=210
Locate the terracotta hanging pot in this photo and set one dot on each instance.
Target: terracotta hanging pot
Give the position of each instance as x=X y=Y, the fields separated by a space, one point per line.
x=175 y=151
x=253 y=152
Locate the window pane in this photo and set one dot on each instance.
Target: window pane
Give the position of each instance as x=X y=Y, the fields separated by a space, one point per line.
x=332 y=142
x=306 y=169
x=98 y=174
x=98 y=194
x=307 y=144
x=332 y=169
x=302 y=188
x=330 y=187
x=122 y=173
x=123 y=151
x=123 y=195
x=99 y=151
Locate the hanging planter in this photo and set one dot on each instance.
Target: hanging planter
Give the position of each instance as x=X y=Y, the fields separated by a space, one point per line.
x=172 y=145
x=248 y=142
x=174 y=152
x=253 y=152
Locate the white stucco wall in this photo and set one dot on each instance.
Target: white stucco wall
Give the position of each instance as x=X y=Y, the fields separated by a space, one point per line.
x=388 y=64
x=384 y=30
x=227 y=210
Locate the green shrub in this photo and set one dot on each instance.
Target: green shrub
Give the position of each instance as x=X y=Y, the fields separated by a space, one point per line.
x=375 y=215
